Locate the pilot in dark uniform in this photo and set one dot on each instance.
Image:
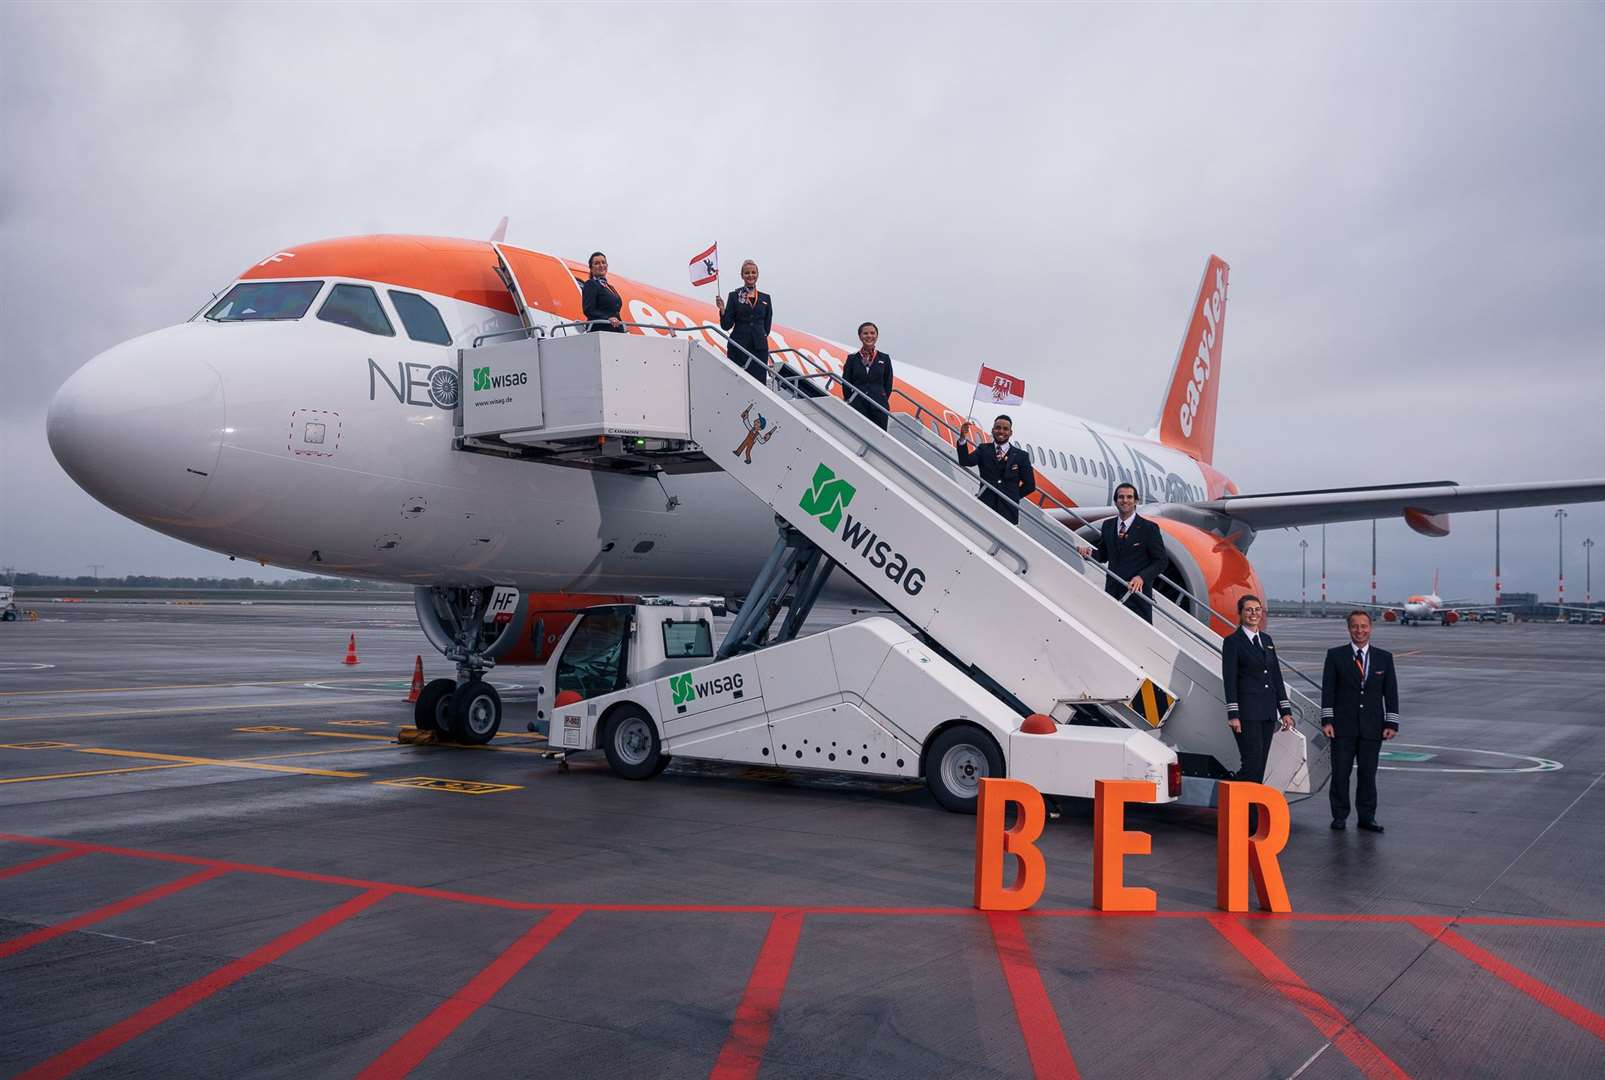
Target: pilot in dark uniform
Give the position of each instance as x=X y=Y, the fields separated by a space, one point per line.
x=599 y=300
x=1256 y=699
x=1359 y=710
x=1134 y=550
x=748 y=316
x=1002 y=466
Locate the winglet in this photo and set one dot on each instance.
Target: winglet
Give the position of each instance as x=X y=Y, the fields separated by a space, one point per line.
x=1187 y=418
x=500 y=232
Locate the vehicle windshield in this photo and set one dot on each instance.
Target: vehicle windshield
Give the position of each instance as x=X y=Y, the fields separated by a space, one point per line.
x=251 y=301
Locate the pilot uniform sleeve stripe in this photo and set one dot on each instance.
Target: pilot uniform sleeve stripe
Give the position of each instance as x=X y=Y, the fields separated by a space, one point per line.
x=1326 y=713
x=1287 y=706
x=1391 y=717
x=1231 y=708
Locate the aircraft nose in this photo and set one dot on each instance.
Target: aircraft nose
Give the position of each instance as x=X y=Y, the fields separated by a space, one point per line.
x=140 y=427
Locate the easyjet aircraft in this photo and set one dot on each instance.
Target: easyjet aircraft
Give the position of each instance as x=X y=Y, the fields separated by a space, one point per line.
x=305 y=420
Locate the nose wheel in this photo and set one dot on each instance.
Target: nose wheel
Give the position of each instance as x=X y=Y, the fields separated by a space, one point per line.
x=470 y=713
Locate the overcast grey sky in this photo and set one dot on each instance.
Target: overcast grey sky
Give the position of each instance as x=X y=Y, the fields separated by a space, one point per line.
x=1409 y=196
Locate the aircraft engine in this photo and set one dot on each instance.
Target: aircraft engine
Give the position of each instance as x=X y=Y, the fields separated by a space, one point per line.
x=1208 y=566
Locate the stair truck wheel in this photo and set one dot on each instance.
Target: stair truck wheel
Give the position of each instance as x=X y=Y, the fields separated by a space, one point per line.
x=430 y=711
x=630 y=740
x=476 y=713
x=955 y=763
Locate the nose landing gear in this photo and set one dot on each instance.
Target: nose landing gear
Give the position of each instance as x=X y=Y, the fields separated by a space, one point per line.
x=466 y=709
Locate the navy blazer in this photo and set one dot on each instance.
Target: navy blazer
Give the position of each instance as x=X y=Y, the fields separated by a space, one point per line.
x=1356 y=708
x=1141 y=552
x=873 y=379
x=749 y=323
x=600 y=300
x=1013 y=474
x=1252 y=678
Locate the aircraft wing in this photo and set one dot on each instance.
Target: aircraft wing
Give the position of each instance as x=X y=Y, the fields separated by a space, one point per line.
x=1417 y=503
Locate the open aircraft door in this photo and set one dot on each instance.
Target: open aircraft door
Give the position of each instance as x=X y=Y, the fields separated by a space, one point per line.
x=542 y=287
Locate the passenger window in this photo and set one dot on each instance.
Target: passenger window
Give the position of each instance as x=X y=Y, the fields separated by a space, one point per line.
x=686 y=638
x=1073 y=467
x=422 y=321
x=593 y=661
x=262 y=301
x=358 y=307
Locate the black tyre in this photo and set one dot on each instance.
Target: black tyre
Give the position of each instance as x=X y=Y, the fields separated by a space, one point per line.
x=476 y=713
x=429 y=712
x=955 y=763
x=630 y=741
x=10 y=616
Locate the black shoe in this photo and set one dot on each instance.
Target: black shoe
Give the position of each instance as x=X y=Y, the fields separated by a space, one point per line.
x=1338 y=825
x=1371 y=826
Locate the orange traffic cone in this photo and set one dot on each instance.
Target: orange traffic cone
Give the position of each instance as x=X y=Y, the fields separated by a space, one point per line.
x=351 y=652
x=417 y=681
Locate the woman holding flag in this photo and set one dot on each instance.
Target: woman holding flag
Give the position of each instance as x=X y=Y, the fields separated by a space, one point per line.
x=747 y=316
x=869 y=372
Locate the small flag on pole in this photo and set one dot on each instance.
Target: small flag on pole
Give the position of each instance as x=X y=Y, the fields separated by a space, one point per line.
x=998 y=388
x=705 y=267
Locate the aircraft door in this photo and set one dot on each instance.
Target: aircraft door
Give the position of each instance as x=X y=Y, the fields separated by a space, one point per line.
x=542 y=287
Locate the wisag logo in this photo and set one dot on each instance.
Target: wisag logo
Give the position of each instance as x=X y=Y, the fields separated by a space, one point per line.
x=484 y=380
x=685 y=691
x=828 y=497
x=827 y=500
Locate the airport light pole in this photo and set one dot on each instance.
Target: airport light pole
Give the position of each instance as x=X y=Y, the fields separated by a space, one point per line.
x=1303 y=577
x=1323 y=569
x=1496 y=558
x=1373 y=562
x=94 y=568
x=1588 y=571
x=1560 y=591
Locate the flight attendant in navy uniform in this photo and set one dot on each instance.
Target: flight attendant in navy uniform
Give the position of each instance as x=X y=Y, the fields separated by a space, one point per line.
x=1134 y=550
x=1005 y=468
x=1256 y=697
x=869 y=372
x=1359 y=711
x=748 y=316
x=599 y=300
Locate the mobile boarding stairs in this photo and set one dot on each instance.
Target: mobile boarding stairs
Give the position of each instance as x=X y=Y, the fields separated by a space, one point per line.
x=1014 y=610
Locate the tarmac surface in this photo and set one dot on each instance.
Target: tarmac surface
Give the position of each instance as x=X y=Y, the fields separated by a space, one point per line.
x=216 y=861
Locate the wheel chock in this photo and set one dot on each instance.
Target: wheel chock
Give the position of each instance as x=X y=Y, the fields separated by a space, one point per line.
x=412 y=736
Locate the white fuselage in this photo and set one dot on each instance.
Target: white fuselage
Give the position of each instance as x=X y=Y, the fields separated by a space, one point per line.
x=319 y=447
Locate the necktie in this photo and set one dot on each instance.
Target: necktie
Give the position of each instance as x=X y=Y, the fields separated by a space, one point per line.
x=1003 y=451
x=1122 y=530
x=1359 y=662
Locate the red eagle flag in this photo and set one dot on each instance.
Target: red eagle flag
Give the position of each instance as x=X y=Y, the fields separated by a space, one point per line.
x=998 y=388
x=705 y=267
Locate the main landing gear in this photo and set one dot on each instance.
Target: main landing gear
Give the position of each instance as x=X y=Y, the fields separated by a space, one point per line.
x=466 y=708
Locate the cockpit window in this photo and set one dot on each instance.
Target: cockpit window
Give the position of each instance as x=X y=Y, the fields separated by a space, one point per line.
x=261 y=300
x=419 y=316
x=358 y=307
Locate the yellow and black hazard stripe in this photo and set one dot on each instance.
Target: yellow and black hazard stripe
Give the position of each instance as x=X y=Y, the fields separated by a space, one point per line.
x=1151 y=703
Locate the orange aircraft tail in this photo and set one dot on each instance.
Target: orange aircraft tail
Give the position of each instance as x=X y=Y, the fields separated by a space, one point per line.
x=1187 y=419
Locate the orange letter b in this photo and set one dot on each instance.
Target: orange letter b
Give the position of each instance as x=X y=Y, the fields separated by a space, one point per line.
x=1234 y=847
x=993 y=841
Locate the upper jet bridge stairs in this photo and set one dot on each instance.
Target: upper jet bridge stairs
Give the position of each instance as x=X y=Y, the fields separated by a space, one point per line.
x=1017 y=608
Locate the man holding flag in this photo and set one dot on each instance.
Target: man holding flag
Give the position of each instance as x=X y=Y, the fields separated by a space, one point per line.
x=1006 y=469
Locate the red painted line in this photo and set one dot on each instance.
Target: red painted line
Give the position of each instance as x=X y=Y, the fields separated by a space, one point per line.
x=41 y=862
x=1546 y=995
x=80 y=848
x=1044 y=1038
x=97 y=1046
x=760 y=1004
x=1365 y=1054
x=412 y=1048
x=100 y=914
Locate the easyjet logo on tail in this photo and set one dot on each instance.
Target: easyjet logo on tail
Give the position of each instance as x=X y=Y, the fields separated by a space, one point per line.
x=1187 y=420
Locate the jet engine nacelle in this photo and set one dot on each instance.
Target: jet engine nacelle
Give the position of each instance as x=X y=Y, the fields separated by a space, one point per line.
x=1451 y=617
x=1209 y=567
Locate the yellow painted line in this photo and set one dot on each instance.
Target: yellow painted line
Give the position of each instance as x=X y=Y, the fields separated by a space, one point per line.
x=96 y=772
x=308 y=753
x=180 y=686
x=513 y=749
x=41 y=745
x=304 y=703
x=232 y=763
x=439 y=783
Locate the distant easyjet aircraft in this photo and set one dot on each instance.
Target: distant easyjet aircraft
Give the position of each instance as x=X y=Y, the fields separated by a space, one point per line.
x=305 y=420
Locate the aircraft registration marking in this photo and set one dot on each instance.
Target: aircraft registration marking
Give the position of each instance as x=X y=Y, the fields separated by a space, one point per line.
x=437 y=783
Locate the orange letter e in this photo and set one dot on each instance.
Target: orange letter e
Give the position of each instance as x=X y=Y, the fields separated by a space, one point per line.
x=1112 y=843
